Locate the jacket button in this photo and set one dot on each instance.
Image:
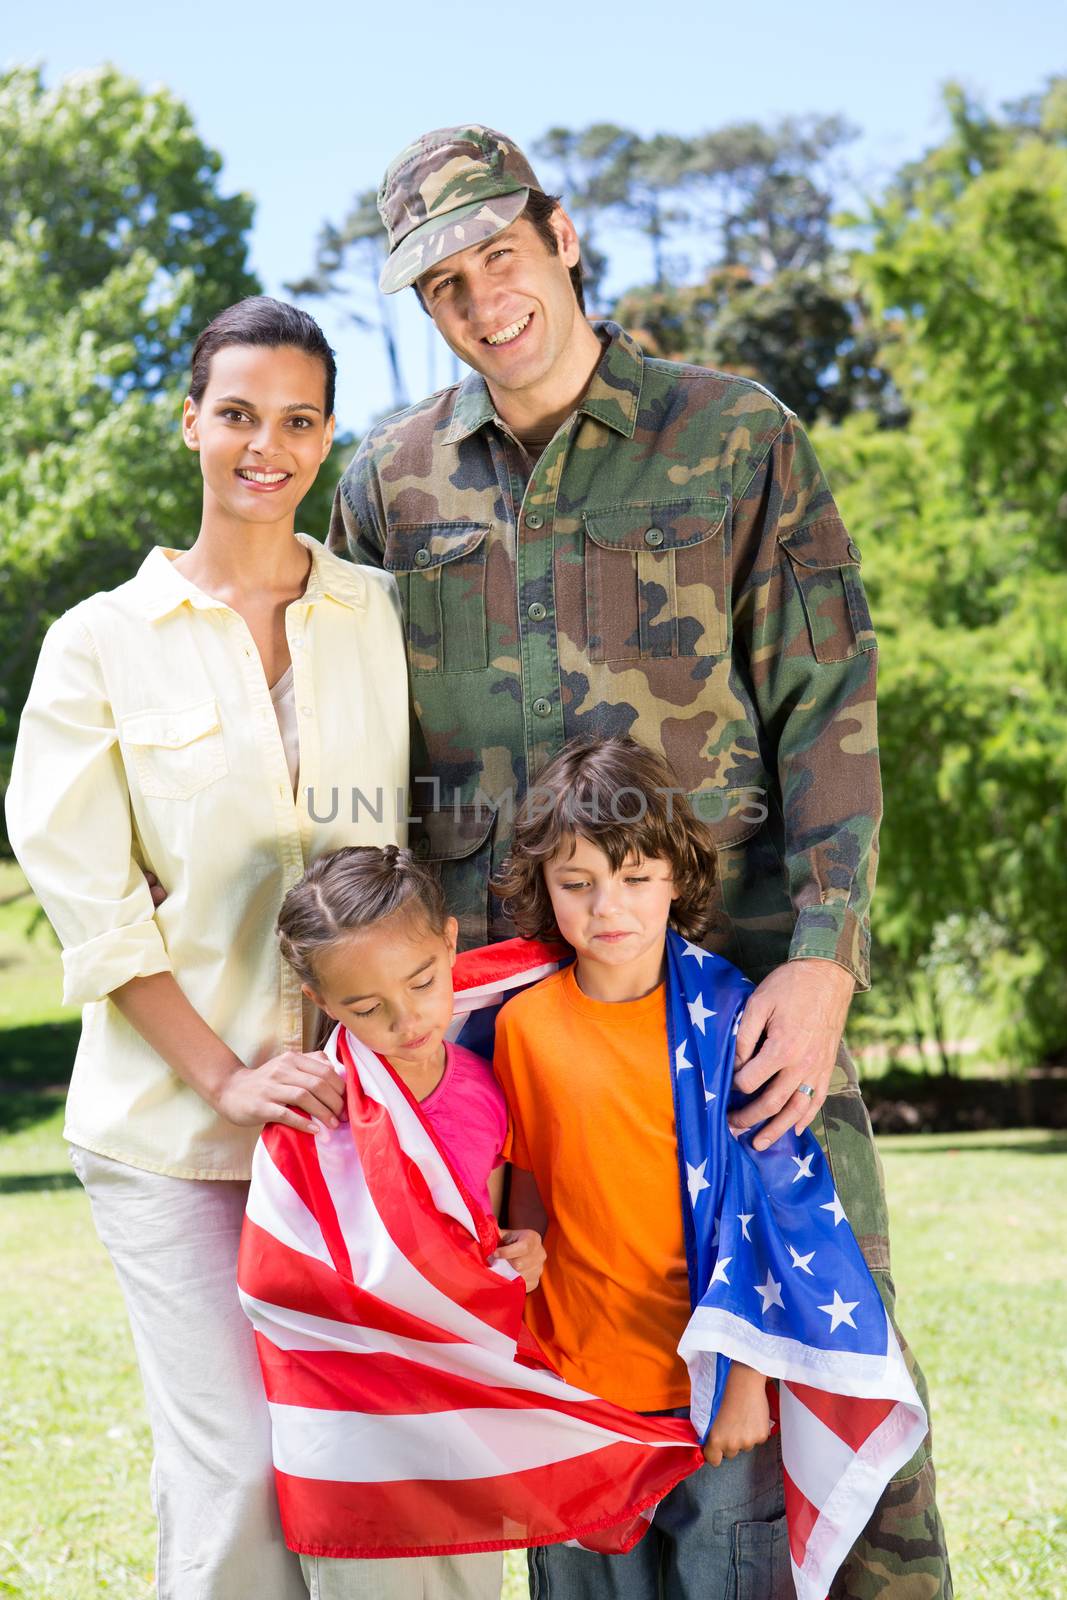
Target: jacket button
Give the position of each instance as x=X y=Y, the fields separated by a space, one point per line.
x=422 y=558
x=536 y=612
x=654 y=538
x=542 y=708
x=534 y=521
x=853 y=549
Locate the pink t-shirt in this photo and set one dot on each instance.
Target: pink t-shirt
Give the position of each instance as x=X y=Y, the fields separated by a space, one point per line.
x=469 y=1115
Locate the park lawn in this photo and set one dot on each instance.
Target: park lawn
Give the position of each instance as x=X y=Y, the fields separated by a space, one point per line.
x=31 y=970
x=977 y=1257
x=978 y=1265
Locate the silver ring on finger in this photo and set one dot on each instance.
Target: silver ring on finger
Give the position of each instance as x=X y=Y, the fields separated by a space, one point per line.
x=806 y=1088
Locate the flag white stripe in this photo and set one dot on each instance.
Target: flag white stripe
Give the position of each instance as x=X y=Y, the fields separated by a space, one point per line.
x=274 y=1206
x=411 y=1134
x=481 y=995
x=345 y=1446
x=302 y=1330
x=377 y=1265
x=814 y=1456
x=872 y=1377
x=846 y=1504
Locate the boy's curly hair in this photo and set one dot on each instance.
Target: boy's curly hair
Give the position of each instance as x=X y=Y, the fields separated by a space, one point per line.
x=624 y=799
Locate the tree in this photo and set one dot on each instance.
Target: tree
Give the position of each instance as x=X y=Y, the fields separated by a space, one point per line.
x=611 y=174
x=971 y=246
x=963 y=516
x=583 y=165
x=766 y=195
x=348 y=261
x=644 y=179
x=97 y=176
x=777 y=303
x=801 y=335
x=116 y=247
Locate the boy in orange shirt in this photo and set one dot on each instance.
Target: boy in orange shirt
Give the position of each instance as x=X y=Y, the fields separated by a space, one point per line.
x=607 y=853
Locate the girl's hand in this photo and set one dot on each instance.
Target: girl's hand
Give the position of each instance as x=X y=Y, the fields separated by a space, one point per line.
x=281 y=1089
x=523 y=1248
x=744 y=1416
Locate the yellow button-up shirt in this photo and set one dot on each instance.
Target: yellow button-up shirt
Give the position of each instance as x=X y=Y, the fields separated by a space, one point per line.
x=149 y=740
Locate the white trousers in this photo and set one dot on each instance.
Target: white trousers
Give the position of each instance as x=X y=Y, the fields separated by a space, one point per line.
x=473 y=1577
x=173 y=1243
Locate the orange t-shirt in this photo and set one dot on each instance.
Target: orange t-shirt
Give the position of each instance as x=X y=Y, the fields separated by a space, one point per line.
x=588 y=1087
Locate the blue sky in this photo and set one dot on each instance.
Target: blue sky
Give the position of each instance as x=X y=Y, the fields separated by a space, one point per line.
x=307 y=104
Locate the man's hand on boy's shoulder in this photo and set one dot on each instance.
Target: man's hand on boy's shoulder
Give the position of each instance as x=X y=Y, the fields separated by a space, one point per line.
x=743 y=1419
x=798 y=1012
x=523 y=1248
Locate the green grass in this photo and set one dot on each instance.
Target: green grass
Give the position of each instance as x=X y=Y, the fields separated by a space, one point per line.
x=978 y=1264
x=978 y=1260
x=37 y=1034
x=977 y=1256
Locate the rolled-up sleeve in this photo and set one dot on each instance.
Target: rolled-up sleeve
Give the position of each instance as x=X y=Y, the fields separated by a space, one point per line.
x=68 y=818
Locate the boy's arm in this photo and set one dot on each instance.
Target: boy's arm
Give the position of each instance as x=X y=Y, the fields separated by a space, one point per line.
x=496 y=1189
x=525 y=1207
x=743 y=1419
x=527 y=1218
x=521 y=1244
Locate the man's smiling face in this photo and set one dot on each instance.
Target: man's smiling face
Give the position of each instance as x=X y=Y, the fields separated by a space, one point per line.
x=507 y=307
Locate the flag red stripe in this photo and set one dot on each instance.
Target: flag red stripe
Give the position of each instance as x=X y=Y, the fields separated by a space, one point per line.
x=393 y=1385
x=296 y=1158
x=438 y=1246
x=510 y=959
x=269 y=1270
x=801 y=1516
x=543 y=1505
x=852 y=1419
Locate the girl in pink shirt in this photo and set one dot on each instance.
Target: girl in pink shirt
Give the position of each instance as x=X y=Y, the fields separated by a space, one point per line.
x=368 y=934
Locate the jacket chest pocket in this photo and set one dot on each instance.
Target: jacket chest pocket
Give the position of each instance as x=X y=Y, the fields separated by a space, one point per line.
x=176 y=753
x=655 y=580
x=440 y=570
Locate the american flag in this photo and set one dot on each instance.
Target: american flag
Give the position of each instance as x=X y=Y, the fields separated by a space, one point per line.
x=778 y=1281
x=412 y=1413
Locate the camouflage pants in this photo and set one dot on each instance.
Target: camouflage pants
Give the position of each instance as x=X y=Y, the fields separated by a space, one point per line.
x=901 y=1553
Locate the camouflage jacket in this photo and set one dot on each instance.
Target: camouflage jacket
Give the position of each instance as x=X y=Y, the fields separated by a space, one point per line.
x=676 y=569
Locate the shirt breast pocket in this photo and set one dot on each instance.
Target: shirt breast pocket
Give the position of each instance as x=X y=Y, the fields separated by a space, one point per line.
x=655 y=580
x=440 y=570
x=178 y=752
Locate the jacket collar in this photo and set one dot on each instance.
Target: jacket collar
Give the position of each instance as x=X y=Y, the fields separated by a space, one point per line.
x=613 y=395
x=165 y=589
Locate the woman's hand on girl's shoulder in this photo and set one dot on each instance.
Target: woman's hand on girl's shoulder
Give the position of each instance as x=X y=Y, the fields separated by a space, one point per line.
x=522 y=1247
x=283 y=1088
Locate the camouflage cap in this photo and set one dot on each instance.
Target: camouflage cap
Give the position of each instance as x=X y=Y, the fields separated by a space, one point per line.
x=450 y=189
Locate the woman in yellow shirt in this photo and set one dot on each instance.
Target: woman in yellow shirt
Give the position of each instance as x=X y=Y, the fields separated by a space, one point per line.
x=227 y=715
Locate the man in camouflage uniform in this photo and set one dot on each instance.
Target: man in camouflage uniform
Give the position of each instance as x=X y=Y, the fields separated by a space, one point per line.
x=589 y=541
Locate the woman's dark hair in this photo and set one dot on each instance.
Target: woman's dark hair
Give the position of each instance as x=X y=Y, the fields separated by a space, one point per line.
x=351 y=889
x=625 y=800
x=259 y=320
x=538 y=211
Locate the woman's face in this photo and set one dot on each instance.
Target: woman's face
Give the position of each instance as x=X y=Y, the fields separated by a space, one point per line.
x=391 y=985
x=261 y=432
